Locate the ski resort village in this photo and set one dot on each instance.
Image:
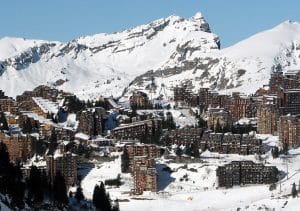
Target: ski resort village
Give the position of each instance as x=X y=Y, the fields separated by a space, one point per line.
x=156 y=117
x=185 y=148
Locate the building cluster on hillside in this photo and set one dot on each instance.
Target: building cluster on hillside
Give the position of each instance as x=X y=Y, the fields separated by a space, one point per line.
x=44 y=115
x=33 y=118
x=62 y=122
x=280 y=98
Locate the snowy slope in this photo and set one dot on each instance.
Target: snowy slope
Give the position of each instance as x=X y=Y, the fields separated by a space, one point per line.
x=172 y=50
x=245 y=66
x=199 y=190
x=102 y=63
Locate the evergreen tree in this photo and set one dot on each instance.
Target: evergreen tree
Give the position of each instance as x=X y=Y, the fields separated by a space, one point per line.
x=96 y=197
x=53 y=142
x=125 y=161
x=17 y=187
x=4 y=168
x=285 y=148
x=27 y=128
x=275 y=152
x=89 y=104
x=104 y=198
x=4 y=158
x=11 y=179
x=179 y=151
x=192 y=150
x=79 y=194
x=202 y=123
x=35 y=185
x=60 y=189
x=294 y=190
x=3 y=122
x=80 y=149
x=101 y=199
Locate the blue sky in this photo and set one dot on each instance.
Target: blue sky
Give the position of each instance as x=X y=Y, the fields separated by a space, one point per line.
x=63 y=20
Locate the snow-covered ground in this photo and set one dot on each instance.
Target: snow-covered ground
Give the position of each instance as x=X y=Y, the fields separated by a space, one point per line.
x=198 y=190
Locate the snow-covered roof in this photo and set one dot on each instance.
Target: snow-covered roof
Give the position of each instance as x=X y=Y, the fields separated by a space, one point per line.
x=38 y=118
x=112 y=103
x=46 y=105
x=82 y=136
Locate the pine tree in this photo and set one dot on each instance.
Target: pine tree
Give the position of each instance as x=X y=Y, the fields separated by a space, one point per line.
x=275 y=152
x=80 y=149
x=125 y=161
x=35 y=185
x=3 y=122
x=201 y=122
x=5 y=166
x=285 y=148
x=294 y=190
x=17 y=187
x=179 y=151
x=104 y=198
x=60 y=189
x=101 y=199
x=27 y=128
x=96 y=197
x=195 y=150
x=53 y=142
x=79 y=194
x=192 y=150
x=4 y=157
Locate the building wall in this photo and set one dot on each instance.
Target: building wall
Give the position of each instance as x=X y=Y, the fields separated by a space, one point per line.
x=141 y=130
x=221 y=116
x=9 y=105
x=289 y=130
x=66 y=164
x=19 y=146
x=245 y=172
x=90 y=121
x=144 y=175
x=267 y=118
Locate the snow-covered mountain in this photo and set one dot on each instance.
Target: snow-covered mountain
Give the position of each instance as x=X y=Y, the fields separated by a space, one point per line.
x=99 y=64
x=243 y=67
x=170 y=51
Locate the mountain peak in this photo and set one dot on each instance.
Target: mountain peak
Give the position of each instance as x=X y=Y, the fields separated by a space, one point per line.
x=198 y=16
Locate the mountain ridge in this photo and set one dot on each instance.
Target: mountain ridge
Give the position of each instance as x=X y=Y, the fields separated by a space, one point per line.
x=169 y=50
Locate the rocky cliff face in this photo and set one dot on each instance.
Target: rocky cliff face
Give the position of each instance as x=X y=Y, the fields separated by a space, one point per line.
x=169 y=51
